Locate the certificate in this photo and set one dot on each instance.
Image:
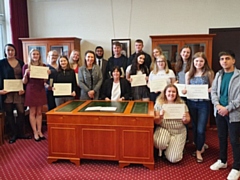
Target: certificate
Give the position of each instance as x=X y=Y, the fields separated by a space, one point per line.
x=158 y=84
x=62 y=89
x=197 y=91
x=100 y=108
x=173 y=111
x=76 y=74
x=39 y=72
x=181 y=87
x=12 y=85
x=138 y=80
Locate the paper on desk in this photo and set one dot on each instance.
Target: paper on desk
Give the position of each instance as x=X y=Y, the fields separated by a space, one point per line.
x=99 y=108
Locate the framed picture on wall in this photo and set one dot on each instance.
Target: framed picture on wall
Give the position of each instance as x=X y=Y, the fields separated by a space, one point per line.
x=126 y=46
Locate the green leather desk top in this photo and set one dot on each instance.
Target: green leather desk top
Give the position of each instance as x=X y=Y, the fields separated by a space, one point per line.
x=71 y=106
x=138 y=107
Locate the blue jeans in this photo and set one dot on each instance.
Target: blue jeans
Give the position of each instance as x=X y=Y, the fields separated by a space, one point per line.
x=199 y=112
x=225 y=127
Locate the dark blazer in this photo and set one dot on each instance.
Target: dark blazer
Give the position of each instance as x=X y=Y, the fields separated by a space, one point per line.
x=124 y=86
x=103 y=69
x=7 y=72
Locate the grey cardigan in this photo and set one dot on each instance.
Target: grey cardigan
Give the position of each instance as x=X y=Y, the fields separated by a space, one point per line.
x=85 y=81
x=233 y=94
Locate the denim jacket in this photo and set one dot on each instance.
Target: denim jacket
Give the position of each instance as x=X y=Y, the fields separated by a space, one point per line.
x=233 y=106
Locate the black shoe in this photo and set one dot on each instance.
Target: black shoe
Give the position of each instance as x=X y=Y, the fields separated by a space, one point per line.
x=12 y=140
x=42 y=138
x=37 y=140
x=24 y=137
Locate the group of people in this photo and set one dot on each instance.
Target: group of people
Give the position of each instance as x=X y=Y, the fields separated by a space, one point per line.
x=111 y=80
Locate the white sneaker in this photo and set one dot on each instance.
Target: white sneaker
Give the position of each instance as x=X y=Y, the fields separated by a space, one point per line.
x=233 y=175
x=218 y=165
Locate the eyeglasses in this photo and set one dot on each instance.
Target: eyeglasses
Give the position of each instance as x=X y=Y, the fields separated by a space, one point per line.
x=160 y=61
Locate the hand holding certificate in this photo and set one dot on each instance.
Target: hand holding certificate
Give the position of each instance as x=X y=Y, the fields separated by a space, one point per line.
x=181 y=87
x=173 y=111
x=138 y=80
x=12 y=85
x=39 y=72
x=62 y=89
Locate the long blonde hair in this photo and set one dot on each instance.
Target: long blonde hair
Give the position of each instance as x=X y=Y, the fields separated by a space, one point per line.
x=162 y=99
x=40 y=62
x=153 y=58
x=155 y=66
x=71 y=59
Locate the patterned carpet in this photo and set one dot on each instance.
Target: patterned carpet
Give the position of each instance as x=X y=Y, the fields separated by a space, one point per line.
x=27 y=159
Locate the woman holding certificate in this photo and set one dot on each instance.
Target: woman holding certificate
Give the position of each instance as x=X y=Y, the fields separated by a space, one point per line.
x=159 y=77
x=199 y=74
x=12 y=94
x=34 y=74
x=116 y=88
x=138 y=72
x=171 y=113
x=52 y=64
x=90 y=77
x=75 y=64
x=66 y=78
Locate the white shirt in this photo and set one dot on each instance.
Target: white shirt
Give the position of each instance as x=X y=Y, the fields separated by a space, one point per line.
x=161 y=74
x=116 y=91
x=97 y=61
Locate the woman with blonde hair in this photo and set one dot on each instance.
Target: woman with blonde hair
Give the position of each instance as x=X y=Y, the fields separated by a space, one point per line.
x=170 y=134
x=35 y=96
x=160 y=71
x=75 y=63
x=157 y=51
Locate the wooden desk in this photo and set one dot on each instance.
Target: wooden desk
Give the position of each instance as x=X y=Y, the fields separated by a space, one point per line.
x=125 y=135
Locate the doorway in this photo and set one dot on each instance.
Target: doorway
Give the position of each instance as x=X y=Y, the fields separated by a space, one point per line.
x=225 y=39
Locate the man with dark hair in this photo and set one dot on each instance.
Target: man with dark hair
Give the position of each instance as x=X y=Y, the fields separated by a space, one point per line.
x=118 y=59
x=138 y=49
x=226 y=100
x=99 y=52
